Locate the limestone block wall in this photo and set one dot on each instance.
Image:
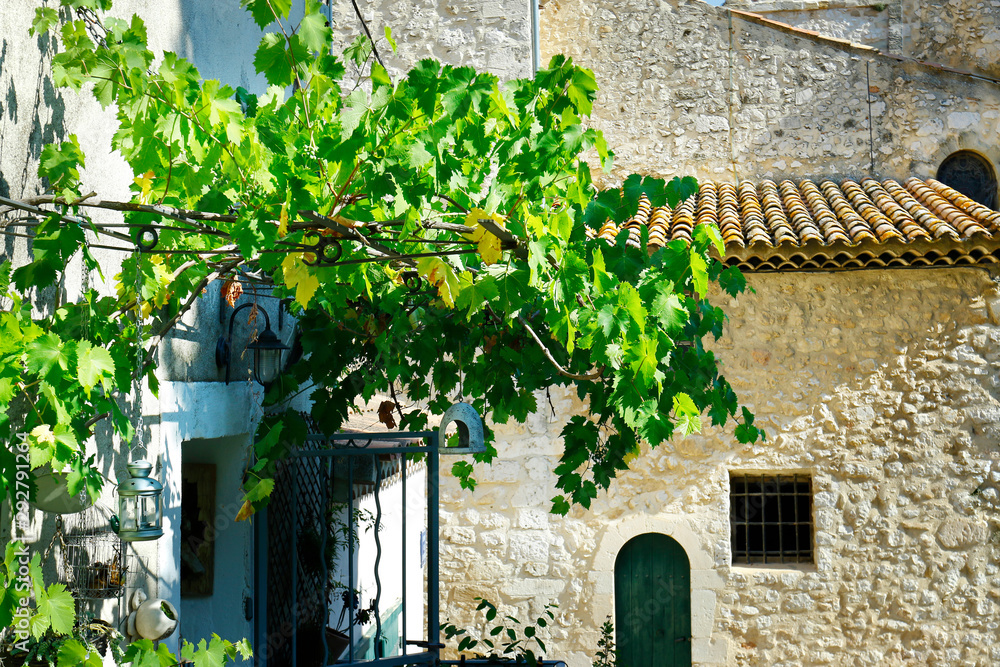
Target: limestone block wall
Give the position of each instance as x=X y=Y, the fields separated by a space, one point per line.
x=686 y=91
x=958 y=33
x=883 y=386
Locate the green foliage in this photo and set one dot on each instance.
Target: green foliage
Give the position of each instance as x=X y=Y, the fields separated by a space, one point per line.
x=60 y=165
x=86 y=647
x=441 y=159
x=606 y=655
x=507 y=639
x=214 y=653
x=20 y=577
x=51 y=633
x=55 y=610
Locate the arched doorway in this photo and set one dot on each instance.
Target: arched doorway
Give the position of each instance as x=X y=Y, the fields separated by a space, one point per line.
x=653 y=603
x=972 y=175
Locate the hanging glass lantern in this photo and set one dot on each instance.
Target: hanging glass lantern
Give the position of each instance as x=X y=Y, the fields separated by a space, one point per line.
x=140 y=504
x=267 y=351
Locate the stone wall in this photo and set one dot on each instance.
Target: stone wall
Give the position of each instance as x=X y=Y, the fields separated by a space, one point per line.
x=857 y=21
x=880 y=384
x=964 y=34
x=493 y=35
x=682 y=93
x=959 y=33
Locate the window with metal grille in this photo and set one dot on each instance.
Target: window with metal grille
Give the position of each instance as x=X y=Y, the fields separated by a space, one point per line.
x=771 y=518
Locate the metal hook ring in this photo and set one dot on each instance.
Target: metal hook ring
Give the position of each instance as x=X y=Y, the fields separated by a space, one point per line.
x=314 y=249
x=140 y=240
x=321 y=253
x=412 y=280
x=324 y=257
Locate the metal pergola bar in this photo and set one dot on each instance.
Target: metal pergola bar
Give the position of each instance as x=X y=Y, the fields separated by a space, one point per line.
x=428 y=658
x=485 y=662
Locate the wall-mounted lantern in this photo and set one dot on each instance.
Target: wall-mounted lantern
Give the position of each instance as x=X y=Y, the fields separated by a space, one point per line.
x=469 y=426
x=267 y=350
x=140 y=504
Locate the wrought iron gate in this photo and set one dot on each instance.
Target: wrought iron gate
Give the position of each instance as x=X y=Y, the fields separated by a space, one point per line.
x=327 y=518
x=317 y=508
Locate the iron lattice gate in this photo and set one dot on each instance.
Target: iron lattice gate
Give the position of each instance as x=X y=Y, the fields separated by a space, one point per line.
x=346 y=554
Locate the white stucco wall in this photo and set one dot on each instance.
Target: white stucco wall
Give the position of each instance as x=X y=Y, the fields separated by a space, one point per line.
x=212 y=423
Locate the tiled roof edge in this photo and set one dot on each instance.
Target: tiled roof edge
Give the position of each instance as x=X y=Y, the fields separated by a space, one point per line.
x=813 y=256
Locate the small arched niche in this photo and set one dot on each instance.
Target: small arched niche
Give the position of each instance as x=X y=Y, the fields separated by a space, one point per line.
x=971 y=174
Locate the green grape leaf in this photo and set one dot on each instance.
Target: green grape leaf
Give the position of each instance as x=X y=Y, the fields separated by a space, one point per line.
x=94 y=364
x=265 y=12
x=58 y=609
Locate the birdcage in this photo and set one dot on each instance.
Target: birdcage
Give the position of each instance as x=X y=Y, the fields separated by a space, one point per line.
x=93 y=561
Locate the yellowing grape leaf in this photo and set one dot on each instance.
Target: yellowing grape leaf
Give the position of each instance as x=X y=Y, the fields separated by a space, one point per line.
x=442 y=276
x=164 y=279
x=245 y=511
x=297 y=275
x=283 y=220
x=486 y=241
x=145 y=183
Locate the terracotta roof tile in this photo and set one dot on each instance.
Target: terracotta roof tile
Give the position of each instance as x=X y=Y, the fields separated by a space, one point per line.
x=683 y=223
x=974 y=209
x=729 y=215
x=754 y=228
x=809 y=225
x=805 y=226
x=777 y=220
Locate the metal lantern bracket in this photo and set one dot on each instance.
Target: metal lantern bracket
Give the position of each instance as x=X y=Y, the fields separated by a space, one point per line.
x=267 y=340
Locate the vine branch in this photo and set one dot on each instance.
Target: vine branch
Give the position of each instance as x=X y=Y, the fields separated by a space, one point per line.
x=548 y=355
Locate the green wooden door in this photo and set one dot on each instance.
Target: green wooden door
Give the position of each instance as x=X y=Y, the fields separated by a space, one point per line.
x=653 y=603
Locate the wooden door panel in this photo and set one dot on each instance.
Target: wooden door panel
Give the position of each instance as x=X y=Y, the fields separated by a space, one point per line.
x=653 y=603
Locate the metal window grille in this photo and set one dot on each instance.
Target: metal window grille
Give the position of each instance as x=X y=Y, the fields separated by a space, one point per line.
x=771 y=519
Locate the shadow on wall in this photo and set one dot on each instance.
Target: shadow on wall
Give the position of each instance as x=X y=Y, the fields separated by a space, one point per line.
x=22 y=144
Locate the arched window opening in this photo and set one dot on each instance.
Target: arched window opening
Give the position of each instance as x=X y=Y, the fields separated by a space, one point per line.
x=972 y=175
